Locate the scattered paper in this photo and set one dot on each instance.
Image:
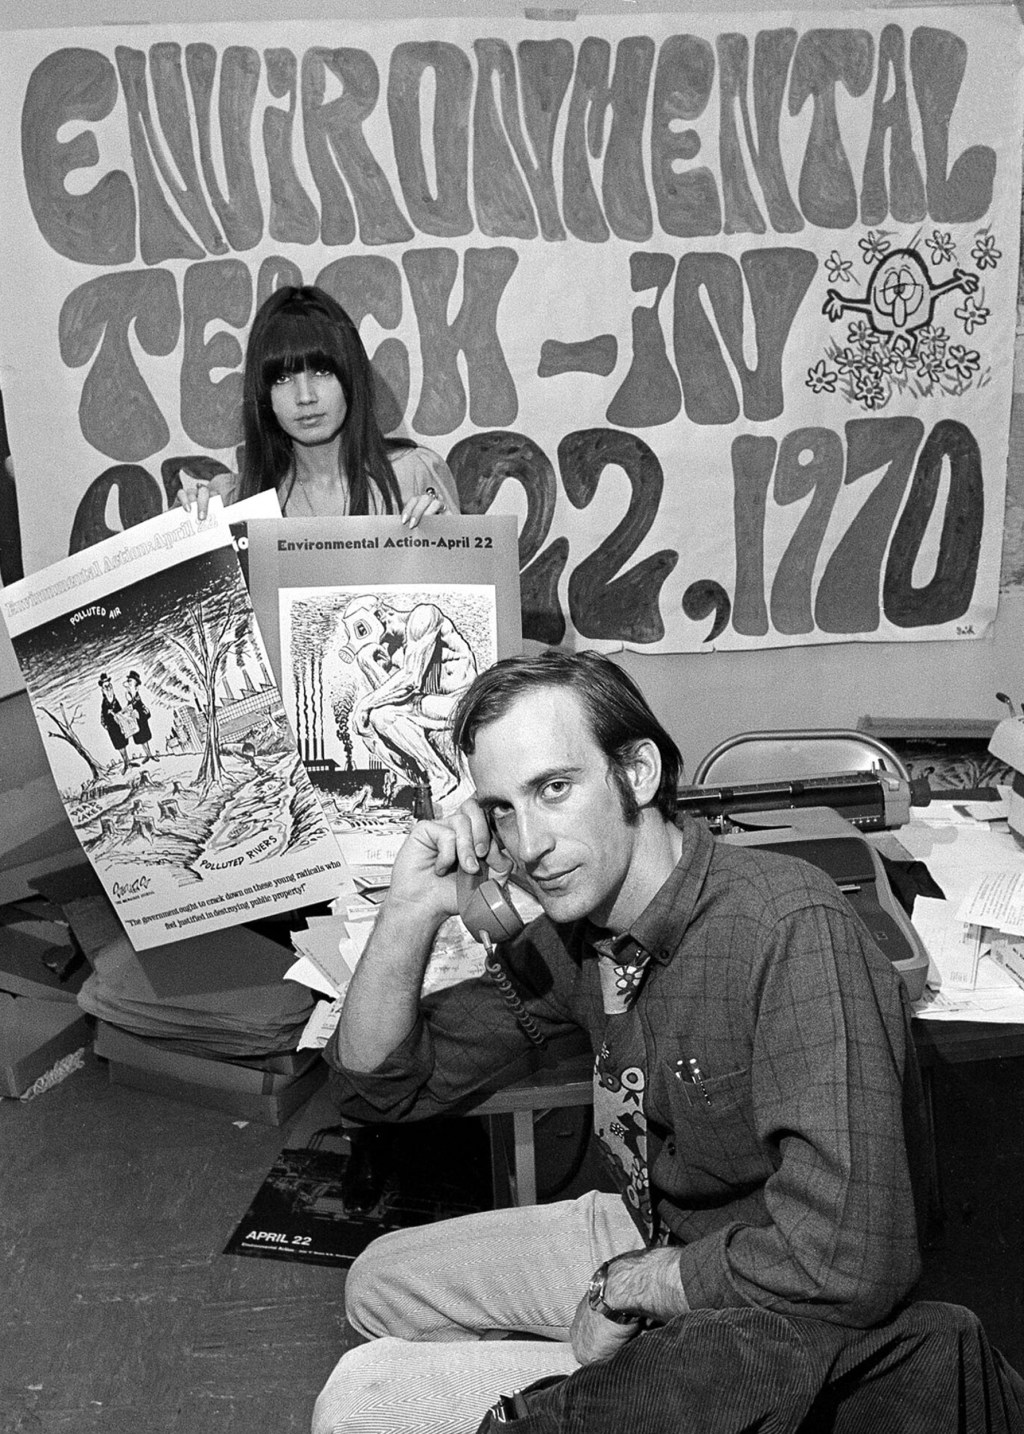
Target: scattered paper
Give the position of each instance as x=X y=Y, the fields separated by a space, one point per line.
x=307 y=974
x=953 y=947
x=938 y=1003
x=1010 y=956
x=454 y=957
x=996 y=998
x=372 y=878
x=996 y=899
x=322 y=944
x=963 y=813
x=321 y=1026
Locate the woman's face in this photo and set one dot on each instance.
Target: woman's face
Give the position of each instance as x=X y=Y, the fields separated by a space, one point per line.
x=310 y=406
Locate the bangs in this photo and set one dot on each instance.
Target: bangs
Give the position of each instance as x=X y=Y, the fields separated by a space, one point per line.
x=294 y=342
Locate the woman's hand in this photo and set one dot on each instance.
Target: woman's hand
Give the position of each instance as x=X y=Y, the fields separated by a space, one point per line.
x=198 y=490
x=423 y=505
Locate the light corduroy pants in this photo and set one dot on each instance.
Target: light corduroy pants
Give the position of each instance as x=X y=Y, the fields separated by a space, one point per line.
x=424 y=1296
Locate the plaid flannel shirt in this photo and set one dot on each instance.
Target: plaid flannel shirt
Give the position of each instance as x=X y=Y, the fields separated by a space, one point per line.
x=786 y=1180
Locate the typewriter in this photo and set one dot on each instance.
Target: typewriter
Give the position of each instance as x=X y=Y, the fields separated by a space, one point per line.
x=823 y=820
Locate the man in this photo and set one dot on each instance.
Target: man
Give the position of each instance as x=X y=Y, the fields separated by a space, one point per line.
x=114 y=719
x=751 y=1050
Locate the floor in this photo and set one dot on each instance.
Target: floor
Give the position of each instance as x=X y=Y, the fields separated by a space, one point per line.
x=118 y=1312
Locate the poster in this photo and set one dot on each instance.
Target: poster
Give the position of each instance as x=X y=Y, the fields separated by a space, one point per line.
x=439 y=1170
x=165 y=731
x=375 y=632
x=721 y=307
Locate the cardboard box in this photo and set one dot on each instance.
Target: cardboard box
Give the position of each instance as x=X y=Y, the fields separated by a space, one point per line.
x=273 y=1109
x=34 y=1036
x=267 y=1076
x=26 y=945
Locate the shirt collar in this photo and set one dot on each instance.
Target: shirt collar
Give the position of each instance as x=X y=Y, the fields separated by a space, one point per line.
x=657 y=928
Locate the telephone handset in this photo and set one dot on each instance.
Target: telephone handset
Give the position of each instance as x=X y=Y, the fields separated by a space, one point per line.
x=488 y=914
x=485 y=907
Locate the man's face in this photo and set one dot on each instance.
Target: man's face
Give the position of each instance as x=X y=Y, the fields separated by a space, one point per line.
x=549 y=792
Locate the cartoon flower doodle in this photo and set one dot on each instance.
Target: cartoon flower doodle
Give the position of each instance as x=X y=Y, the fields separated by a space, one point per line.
x=984 y=253
x=932 y=339
x=962 y=361
x=942 y=246
x=972 y=315
x=840 y=271
x=930 y=366
x=869 y=388
x=874 y=245
x=890 y=361
x=821 y=379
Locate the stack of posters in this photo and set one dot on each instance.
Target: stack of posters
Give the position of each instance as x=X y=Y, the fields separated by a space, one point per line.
x=220 y=995
x=165 y=730
x=268 y=1089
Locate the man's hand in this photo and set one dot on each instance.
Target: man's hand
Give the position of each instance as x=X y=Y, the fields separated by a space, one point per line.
x=593 y=1337
x=646 y=1280
x=382 y=1004
x=424 y=871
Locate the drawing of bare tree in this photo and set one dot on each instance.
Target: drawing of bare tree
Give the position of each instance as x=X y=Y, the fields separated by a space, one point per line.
x=203 y=650
x=65 y=725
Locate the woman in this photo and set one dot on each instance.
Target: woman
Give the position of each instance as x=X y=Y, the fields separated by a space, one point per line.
x=311 y=428
x=311 y=432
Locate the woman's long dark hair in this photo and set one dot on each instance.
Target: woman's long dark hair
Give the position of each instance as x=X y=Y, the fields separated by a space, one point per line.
x=297 y=329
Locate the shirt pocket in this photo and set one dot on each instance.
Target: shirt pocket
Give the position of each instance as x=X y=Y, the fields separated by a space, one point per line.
x=712 y=1144
x=713 y=1096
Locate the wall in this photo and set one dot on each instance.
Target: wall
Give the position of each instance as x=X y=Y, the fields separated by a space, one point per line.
x=703 y=698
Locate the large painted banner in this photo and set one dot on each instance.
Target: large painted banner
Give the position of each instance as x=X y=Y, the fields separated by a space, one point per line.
x=721 y=308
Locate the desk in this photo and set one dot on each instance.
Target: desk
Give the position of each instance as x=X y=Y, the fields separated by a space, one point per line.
x=959 y=1042
x=568 y=1083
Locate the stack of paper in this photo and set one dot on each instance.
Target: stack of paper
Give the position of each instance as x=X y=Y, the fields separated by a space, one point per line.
x=218 y=994
x=975 y=937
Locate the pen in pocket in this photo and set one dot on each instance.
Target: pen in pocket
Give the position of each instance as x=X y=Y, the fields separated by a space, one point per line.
x=690 y=1070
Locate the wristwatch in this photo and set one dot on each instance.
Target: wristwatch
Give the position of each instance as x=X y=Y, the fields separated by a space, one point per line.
x=596 y=1299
